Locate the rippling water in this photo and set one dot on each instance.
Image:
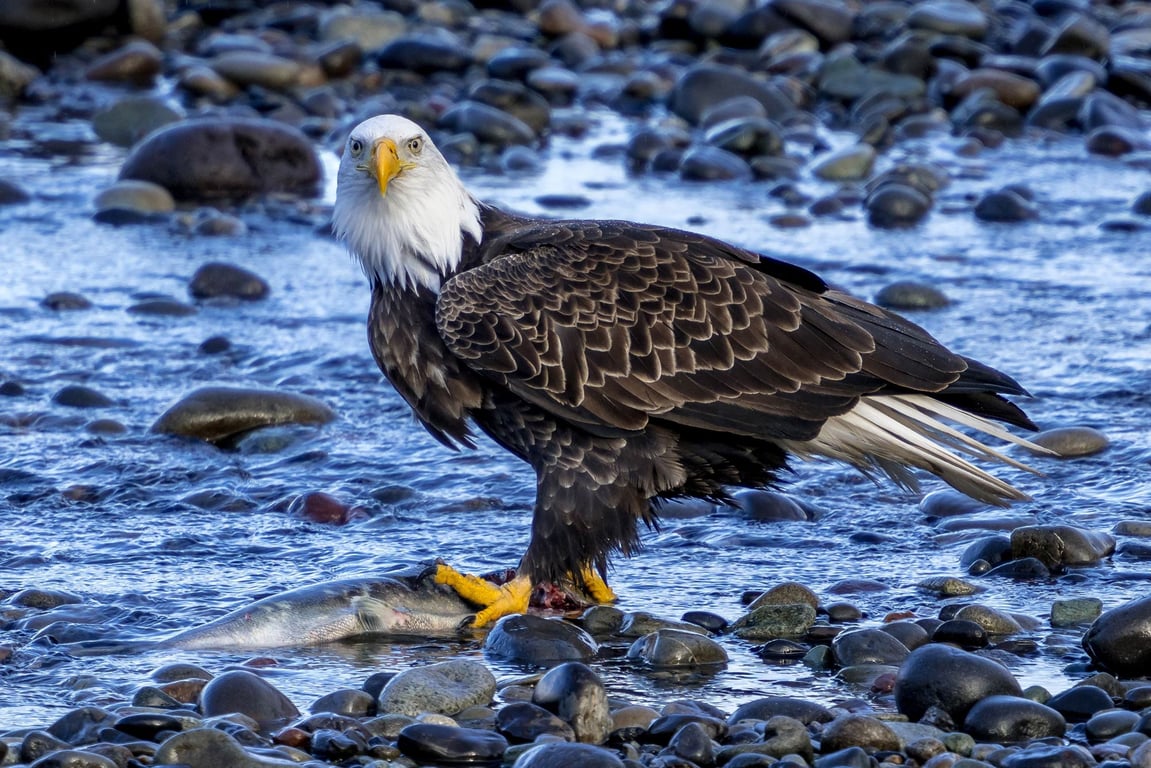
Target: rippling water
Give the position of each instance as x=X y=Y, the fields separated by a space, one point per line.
x=157 y=534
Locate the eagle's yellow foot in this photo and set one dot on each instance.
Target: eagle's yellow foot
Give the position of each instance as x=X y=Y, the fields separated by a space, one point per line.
x=498 y=601
x=596 y=587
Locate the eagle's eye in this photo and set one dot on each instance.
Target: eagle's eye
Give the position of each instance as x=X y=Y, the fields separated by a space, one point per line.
x=356 y=146
x=415 y=144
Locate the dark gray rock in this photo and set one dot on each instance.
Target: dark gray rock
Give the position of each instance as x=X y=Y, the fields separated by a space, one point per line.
x=74 y=758
x=216 y=414
x=522 y=722
x=209 y=748
x=895 y=206
x=487 y=123
x=80 y=396
x=909 y=294
x=567 y=756
x=537 y=640
x=1059 y=546
x=222 y=157
x=1120 y=639
x=575 y=693
x=1005 y=206
x=1040 y=755
x=868 y=646
x=869 y=733
x=246 y=693
x=962 y=632
x=713 y=164
x=439 y=744
x=692 y=743
x=1080 y=702
x=217 y=279
x=1108 y=724
x=951 y=679
x=425 y=54
x=677 y=648
x=804 y=711
x=1068 y=442
x=703 y=86
x=1006 y=719
x=910 y=634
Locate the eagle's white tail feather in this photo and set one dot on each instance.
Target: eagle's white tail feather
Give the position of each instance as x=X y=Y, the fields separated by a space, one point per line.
x=893 y=432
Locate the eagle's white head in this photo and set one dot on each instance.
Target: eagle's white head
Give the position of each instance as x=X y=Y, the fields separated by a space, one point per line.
x=400 y=207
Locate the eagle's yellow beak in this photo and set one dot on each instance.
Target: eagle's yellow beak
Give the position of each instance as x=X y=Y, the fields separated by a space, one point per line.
x=385 y=162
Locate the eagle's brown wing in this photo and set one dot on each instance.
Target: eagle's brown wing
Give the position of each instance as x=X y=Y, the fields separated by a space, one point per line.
x=611 y=324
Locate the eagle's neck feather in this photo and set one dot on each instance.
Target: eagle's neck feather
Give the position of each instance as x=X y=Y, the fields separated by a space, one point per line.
x=414 y=236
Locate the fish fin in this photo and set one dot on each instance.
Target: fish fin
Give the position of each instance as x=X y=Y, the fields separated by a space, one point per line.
x=373 y=613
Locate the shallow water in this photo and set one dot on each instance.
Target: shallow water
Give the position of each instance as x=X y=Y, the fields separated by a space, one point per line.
x=122 y=521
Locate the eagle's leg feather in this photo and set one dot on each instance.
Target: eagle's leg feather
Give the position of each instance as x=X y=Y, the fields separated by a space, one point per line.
x=596 y=587
x=498 y=600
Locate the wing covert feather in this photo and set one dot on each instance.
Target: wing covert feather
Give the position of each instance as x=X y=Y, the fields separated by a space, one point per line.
x=610 y=324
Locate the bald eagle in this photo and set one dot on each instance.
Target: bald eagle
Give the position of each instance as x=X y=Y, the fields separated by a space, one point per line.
x=629 y=363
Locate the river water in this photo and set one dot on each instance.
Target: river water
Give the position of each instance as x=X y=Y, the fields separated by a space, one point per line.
x=157 y=534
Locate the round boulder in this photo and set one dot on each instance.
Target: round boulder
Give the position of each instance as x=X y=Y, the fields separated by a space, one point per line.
x=563 y=755
x=536 y=640
x=444 y=688
x=246 y=693
x=216 y=414
x=1006 y=719
x=226 y=157
x=942 y=676
x=575 y=693
x=1120 y=639
x=677 y=648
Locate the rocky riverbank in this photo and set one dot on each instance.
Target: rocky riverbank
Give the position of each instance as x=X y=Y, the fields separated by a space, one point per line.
x=218 y=115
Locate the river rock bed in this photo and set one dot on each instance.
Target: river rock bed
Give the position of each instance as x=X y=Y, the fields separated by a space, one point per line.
x=207 y=126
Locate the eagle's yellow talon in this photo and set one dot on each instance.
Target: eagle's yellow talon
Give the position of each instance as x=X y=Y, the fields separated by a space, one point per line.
x=514 y=597
x=596 y=587
x=498 y=601
x=469 y=587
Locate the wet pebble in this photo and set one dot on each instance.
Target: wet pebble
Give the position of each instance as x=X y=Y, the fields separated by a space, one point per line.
x=705 y=86
x=425 y=53
x=247 y=693
x=713 y=164
x=1058 y=546
x=993 y=620
x=217 y=279
x=211 y=748
x=960 y=632
x=951 y=679
x=138 y=196
x=1070 y=442
x=858 y=731
x=1080 y=702
x=1012 y=719
x=432 y=743
x=522 y=721
x=80 y=396
x=895 y=206
x=852 y=163
x=218 y=413
x=771 y=621
x=1005 y=206
x=536 y=640
x=487 y=123
x=577 y=695
x=446 y=688
x=1076 y=610
x=677 y=648
x=1118 y=639
x=868 y=646
x=909 y=295
x=567 y=755
x=65 y=301
x=136 y=62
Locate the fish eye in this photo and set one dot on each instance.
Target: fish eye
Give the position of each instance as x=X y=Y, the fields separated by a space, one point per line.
x=415 y=144
x=356 y=146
